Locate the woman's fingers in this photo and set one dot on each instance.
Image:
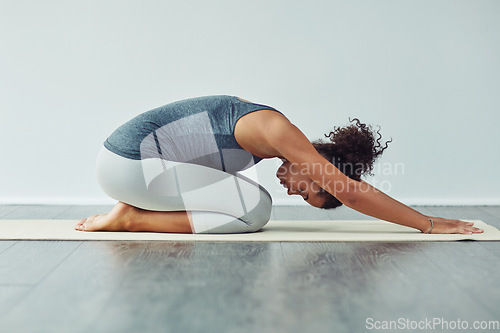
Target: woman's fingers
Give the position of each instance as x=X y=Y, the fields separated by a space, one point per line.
x=446 y=226
x=469 y=229
x=475 y=230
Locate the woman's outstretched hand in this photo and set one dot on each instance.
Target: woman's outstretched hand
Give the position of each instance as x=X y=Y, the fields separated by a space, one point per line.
x=447 y=226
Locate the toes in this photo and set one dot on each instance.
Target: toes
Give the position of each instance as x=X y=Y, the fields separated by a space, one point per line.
x=78 y=226
x=84 y=224
x=88 y=223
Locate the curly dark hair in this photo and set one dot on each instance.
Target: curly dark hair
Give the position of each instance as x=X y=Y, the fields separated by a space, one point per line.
x=353 y=149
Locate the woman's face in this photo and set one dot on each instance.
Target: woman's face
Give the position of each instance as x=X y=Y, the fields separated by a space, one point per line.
x=298 y=184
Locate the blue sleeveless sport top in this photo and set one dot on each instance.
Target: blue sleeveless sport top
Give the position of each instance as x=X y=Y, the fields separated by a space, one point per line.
x=198 y=130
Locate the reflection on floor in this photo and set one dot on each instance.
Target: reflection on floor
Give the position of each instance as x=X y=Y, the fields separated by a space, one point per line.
x=57 y=286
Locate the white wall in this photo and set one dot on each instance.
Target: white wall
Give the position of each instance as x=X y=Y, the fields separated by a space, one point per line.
x=427 y=72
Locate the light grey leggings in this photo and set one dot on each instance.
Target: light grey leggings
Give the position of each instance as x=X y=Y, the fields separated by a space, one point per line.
x=219 y=202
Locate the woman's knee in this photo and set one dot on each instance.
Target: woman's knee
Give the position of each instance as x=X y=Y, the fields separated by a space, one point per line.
x=205 y=222
x=258 y=216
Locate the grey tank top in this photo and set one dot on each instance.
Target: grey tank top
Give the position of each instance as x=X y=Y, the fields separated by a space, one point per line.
x=198 y=130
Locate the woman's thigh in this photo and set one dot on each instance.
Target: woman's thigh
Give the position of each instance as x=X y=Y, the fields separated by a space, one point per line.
x=159 y=185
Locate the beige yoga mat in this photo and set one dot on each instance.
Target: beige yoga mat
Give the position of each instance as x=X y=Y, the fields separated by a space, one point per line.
x=274 y=231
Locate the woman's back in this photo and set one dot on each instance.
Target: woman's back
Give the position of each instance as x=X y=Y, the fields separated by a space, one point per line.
x=198 y=130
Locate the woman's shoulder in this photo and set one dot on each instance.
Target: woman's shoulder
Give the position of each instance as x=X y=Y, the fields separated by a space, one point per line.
x=259 y=131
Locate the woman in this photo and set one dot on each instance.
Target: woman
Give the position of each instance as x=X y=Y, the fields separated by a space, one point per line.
x=174 y=169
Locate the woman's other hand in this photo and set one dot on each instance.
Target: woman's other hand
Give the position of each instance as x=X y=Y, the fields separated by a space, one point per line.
x=448 y=226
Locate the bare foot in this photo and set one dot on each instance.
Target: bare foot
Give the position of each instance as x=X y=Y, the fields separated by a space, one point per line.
x=118 y=219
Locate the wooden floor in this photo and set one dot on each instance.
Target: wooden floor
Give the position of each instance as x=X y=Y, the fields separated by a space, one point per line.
x=120 y=286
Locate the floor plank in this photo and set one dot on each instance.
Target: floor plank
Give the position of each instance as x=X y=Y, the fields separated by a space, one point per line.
x=493 y=210
x=471 y=267
x=7 y=209
x=300 y=213
x=346 y=213
x=243 y=287
x=36 y=212
x=273 y=213
x=78 y=289
x=493 y=217
x=78 y=212
x=10 y=296
x=28 y=262
x=5 y=244
x=192 y=287
x=493 y=213
x=383 y=281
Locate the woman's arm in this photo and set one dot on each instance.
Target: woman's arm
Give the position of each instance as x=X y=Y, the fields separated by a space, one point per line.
x=361 y=196
x=375 y=203
x=278 y=135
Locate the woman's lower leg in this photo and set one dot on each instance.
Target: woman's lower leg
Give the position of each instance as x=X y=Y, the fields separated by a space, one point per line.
x=124 y=217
